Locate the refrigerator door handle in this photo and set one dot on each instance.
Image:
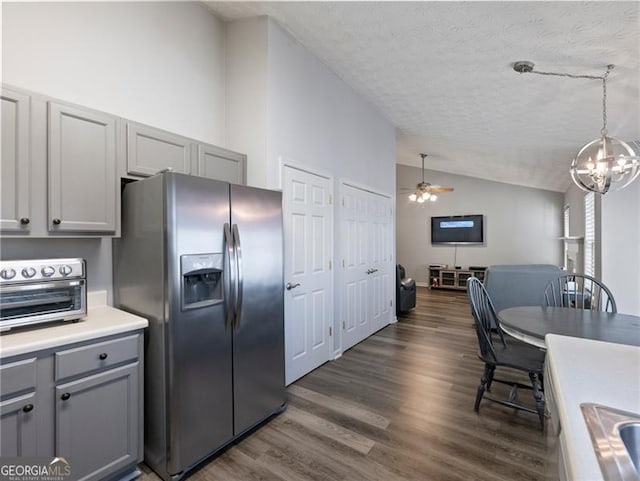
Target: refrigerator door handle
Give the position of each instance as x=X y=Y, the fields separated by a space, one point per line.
x=240 y=281
x=230 y=278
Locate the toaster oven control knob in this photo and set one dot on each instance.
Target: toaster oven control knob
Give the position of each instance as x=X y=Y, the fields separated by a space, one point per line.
x=48 y=271
x=65 y=270
x=7 y=273
x=28 y=272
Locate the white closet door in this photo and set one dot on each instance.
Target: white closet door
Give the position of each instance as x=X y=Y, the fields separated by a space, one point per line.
x=308 y=224
x=366 y=233
x=380 y=217
x=356 y=290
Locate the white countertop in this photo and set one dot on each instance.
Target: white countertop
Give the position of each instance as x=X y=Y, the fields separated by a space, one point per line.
x=586 y=371
x=101 y=320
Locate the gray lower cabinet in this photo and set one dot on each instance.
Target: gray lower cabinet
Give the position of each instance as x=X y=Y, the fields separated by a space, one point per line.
x=219 y=164
x=151 y=150
x=81 y=402
x=96 y=428
x=82 y=170
x=18 y=421
x=15 y=191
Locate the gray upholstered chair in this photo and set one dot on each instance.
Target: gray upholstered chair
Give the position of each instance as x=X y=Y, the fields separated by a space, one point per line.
x=405 y=291
x=518 y=284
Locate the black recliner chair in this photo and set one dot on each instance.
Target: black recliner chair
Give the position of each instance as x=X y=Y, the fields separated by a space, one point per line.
x=405 y=291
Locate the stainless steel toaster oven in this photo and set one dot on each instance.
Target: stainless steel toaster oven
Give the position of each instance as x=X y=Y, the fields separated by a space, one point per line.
x=42 y=290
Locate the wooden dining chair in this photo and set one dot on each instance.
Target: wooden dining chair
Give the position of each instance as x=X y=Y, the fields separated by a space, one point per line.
x=579 y=291
x=496 y=352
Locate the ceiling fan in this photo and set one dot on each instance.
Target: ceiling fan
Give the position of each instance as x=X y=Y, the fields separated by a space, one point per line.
x=424 y=190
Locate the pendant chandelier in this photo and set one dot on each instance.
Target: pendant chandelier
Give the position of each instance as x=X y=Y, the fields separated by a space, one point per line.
x=605 y=164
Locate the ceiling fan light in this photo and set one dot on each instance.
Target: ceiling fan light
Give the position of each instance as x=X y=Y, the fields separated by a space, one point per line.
x=425 y=196
x=433 y=198
x=420 y=200
x=413 y=197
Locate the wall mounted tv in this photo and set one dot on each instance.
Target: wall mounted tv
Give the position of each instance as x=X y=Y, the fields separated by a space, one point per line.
x=457 y=229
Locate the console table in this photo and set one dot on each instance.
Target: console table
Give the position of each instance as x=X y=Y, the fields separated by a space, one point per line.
x=445 y=278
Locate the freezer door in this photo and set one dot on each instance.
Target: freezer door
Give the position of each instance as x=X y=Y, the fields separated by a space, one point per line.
x=258 y=332
x=199 y=342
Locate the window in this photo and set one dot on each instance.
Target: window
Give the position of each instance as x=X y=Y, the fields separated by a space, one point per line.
x=589 y=233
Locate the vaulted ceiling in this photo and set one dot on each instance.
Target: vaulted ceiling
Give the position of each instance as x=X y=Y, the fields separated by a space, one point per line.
x=442 y=73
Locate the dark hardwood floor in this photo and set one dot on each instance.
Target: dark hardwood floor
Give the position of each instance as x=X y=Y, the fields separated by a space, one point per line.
x=397 y=406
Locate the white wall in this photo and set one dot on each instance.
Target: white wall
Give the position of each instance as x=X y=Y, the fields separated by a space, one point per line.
x=159 y=63
x=246 y=81
x=621 y=246
x=312 y=118
x=522 y=224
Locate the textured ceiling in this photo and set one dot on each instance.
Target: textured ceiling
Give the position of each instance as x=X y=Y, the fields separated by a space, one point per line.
x=441 y=72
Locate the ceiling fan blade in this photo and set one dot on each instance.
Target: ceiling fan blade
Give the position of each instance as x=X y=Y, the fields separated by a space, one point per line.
x=441 y=189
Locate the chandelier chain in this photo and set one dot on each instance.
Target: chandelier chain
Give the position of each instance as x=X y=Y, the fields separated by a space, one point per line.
x=603 y=77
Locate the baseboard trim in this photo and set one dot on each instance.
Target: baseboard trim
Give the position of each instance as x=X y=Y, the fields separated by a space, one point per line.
x=423 y=284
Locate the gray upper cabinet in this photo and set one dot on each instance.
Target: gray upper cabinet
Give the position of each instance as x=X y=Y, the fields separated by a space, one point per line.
x=82 y=170
x=15 y=163
x=151 y=150
x=220 y=164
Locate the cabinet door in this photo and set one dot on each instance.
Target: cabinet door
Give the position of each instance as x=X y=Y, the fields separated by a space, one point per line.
x=151 y=150
x=220 y=164
x=97 y=422
x=15 y=162
x=18 y=426
x=82 y=170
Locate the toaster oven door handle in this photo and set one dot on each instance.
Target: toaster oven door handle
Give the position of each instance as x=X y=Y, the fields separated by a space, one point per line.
x=42 y=285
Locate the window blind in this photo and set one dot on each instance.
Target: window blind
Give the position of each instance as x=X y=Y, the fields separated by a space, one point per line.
x=589 y=233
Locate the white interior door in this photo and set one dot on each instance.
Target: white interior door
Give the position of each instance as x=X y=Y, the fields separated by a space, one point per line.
x=366 y=234
x=308 y=303
x=380 y=257
x=355 y=240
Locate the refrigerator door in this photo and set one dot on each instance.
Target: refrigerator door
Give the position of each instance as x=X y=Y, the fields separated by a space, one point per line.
x=200 y=413
x=258 y=332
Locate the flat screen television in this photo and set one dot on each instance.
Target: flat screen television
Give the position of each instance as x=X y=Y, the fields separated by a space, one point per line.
x=457 y=229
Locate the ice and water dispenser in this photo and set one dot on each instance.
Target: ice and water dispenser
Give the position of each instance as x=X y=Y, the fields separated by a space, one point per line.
x=201 y=280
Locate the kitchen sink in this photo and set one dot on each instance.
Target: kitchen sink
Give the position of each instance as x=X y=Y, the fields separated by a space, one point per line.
x=615 y=436
x=630 y=435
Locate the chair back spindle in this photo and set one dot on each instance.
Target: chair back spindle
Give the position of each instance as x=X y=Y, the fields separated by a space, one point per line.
x=579 y=291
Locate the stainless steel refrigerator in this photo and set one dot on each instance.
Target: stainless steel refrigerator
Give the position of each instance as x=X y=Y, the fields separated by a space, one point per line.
x=203 y=261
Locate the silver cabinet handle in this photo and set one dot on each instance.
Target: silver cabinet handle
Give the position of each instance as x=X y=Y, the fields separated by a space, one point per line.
x=290 y=286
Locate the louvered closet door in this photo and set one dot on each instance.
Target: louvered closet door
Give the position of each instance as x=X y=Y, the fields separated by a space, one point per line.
x=308 y=234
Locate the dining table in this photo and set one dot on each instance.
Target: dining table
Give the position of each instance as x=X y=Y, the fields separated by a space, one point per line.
x=532 y=323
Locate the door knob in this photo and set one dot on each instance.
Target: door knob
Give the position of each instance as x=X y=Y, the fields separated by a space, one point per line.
x=290 y=286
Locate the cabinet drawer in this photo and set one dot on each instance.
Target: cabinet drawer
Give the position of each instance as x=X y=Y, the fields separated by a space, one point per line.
x=17 y=376
x=85 y=359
